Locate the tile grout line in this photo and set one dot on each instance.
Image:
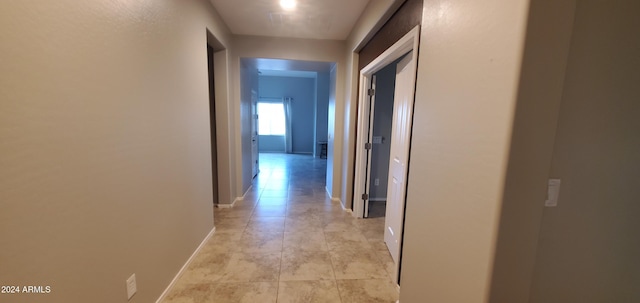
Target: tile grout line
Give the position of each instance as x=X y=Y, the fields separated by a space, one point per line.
x=281 y=256
x=335 y=278
x=291 y=199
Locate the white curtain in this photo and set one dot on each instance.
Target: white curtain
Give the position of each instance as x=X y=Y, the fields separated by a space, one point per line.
x=286 y=103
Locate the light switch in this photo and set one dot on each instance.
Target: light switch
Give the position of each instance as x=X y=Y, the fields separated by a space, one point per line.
x=553 y=191
x=131 y=286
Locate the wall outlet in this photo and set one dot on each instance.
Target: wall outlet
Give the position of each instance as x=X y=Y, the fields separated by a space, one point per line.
x=131 y=286
x=376 y=182
x=553 y=191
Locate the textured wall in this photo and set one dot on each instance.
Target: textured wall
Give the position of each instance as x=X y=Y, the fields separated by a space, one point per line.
x=468 y=71
x=589 y=244
x=534 y=125
x=105 y=142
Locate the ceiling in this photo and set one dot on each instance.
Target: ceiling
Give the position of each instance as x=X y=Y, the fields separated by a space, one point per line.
x=288 y=73
x=312 y=19
x=287 y=68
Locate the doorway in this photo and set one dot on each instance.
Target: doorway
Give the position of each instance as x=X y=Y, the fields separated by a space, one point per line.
x=380 y=126
x=289 y=110
x=404 y=52
x=254 y=135
x=212 y=123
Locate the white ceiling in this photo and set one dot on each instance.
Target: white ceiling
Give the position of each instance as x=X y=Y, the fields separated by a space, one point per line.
x=288 y=73
x=312 y=19
x=287 y=68
x=282 y=64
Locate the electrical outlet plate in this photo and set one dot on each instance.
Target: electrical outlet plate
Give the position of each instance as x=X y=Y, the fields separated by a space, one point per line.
x=553 y=191
x=131 y=286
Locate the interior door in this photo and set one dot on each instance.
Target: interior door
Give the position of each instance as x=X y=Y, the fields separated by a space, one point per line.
x=254 y=134
x=368 y=146
x=400 y=136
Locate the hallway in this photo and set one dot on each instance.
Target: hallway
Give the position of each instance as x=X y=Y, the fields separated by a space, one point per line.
x=288 y=242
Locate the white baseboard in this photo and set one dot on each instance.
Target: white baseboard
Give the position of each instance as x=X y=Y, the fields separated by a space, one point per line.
x=237 y=199
x=227 y=205
x=337 y=200
x=346 y=209
x=185 y=266
x=341 y=204
x=245 y=193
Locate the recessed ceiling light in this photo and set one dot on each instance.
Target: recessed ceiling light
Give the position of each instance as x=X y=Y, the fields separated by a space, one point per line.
x=288 y=4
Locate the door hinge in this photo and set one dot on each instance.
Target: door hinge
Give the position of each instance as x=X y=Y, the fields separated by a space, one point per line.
x=367 y=146
x=371 y=92
x=365 y=197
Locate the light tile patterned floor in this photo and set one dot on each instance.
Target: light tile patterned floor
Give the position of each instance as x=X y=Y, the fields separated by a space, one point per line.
x=288 y=242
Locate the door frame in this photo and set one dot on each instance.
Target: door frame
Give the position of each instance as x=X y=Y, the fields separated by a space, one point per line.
x=368 y=153
x=255 y=154
x=213 y=123
x=407 y=43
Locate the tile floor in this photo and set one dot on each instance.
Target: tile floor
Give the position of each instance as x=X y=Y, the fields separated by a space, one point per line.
x=288 y=242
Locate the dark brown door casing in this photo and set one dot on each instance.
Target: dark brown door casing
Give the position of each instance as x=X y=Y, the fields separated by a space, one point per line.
x=404 y=20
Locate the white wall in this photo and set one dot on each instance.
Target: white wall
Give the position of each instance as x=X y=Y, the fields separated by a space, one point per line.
x=468 y=72
x=106 y=155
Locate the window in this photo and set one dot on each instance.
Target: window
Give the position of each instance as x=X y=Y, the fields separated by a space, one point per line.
x=271 y=119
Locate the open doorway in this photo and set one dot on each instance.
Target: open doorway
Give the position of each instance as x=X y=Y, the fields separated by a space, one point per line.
x=403 y=54
x=380 y=126
x=217 y=78
x=212 y=117
x=255 y=159
x=289 y=109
